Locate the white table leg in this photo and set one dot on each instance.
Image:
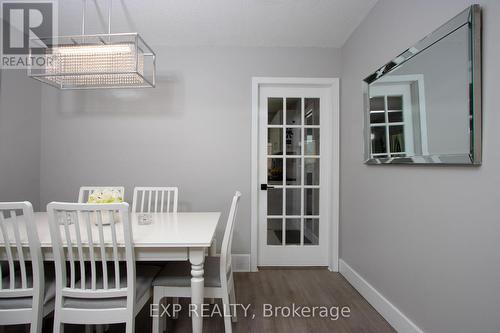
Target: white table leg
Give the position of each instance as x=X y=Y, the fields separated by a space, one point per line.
x=197 y=257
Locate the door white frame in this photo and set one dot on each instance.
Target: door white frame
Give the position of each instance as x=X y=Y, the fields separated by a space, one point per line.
x=419 y=80
x=333 y=85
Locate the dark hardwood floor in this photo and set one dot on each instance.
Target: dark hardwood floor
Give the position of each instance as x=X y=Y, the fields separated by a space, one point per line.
x=304 y=287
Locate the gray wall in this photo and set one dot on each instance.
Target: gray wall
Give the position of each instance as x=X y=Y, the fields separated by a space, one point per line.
x=428 y=238
x=19 y=137
x=192 y=131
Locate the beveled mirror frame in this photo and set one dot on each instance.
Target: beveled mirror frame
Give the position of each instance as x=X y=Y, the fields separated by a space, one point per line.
x=471 y=17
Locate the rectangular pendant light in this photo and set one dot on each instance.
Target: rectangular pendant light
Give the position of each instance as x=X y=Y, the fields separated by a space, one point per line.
x=121 y=60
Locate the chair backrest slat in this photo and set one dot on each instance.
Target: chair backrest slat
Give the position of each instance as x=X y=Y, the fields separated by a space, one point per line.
x=104 y=263
x=8 y=250
x=163 y=200
x=107 y=231
x=81 y=256
x=90 y=242
x=149 y=201
x=156 y=201
x=142 y=203
x=227 y=241
x=19 y=247
x=153 y=204
x=69 y=248
x=85 y=191
x=115 y=250
x=18 y=231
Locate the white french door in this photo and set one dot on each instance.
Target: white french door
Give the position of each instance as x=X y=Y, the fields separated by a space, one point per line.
x=295 y=175
x=391 y=122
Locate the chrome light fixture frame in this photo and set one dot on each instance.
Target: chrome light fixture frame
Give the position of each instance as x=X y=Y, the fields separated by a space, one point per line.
x=88 y=61
x=144 y=76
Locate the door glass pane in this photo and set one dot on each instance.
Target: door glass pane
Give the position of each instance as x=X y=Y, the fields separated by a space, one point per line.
x=275 y=111
x=293 y=201
x=311 y=231
x=275 y=171
x=378 y=140
x=293 y=174
x=395 y=102
x=311 y=171
x=377 y=103
x=396 y=135
x=377 y=117
x=311 y=201
x=311 y=141
x=293 y=111
x=311 y=111
x=275 y=201
x=395 y=116
x=293 y=141
x=275 y=141
x=292 y=232
x=274 y=231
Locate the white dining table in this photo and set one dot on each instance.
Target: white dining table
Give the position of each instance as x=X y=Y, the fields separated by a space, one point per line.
x=169 y=237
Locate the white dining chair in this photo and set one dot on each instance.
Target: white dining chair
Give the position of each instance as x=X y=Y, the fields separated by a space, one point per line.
x=160 y=200
x=98 y=289
x=174 y=280
x=85 y=191
x=26 y=294
x=155 y=199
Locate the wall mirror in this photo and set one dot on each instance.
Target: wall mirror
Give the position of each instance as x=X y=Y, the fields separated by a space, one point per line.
x=424 y=106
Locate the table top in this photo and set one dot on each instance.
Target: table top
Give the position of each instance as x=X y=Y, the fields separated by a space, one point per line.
x=166 y=230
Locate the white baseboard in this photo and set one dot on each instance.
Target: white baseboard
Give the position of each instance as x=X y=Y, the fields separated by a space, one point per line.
x=240 y=262
x=396 y=318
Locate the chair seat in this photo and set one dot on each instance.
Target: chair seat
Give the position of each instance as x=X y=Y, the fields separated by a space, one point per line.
x=144 y=276
x=26 y=302
x=178 y=274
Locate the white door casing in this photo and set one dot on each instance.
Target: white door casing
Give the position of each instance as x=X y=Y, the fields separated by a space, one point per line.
x=402 y=91
x=302 y=244
x=411 y=88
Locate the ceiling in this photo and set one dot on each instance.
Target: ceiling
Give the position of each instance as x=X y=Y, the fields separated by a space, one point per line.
x=264 y=23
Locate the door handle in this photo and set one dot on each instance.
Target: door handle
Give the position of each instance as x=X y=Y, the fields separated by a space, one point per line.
x=265 y=187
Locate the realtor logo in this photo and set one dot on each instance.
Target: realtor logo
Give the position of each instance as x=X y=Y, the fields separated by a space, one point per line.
x=24 y=24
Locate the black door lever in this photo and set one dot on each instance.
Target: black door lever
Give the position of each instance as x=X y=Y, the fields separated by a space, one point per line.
x=264 y=187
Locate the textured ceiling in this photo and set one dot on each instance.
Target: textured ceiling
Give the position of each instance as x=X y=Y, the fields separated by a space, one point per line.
x=286 y=23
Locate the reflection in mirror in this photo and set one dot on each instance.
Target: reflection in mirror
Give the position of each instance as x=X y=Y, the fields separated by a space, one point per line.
x=311 y=144
x=292 y=234
x=293 y=201
x=311 y=201
x=293 y=111
x=311 y=231
x=275 y=111
x=311 y=111
x=424 y=106
x=275 y=171
x=293 y=174
x=311 y=172
x=293 y=141
x=275 y=141
x=275 y=201
x=274 y=231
